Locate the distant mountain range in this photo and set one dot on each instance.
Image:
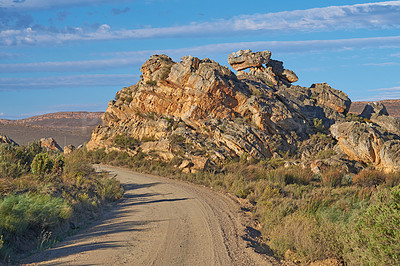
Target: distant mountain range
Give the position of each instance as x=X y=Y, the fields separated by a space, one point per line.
x=65 y=127
x=392 y=106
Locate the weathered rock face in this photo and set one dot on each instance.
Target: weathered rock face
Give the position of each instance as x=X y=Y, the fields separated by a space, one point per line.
x=368 y=143
x=50 y=143
x=197 y=108
x=7 y=140
x=376 y=141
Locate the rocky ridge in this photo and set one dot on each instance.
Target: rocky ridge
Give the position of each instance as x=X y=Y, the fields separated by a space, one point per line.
x=392 y=106
x=200 y=114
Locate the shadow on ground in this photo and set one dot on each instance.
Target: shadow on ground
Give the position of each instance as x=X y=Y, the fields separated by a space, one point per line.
x=106 y=225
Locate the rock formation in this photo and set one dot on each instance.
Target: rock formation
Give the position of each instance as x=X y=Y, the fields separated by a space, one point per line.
x=244 y=59
x=50 y=144
x=7 y=140
x=68 y=149
x=204 y=114
x=272 y=73
x=374 y=141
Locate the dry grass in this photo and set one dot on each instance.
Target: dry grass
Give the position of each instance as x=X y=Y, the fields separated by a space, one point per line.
x=312 y=217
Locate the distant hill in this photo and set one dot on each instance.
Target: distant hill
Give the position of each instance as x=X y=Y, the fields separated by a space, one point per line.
x=65 y=127
x=392 y=106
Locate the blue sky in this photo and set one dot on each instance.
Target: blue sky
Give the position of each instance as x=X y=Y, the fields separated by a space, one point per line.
x=74 y=55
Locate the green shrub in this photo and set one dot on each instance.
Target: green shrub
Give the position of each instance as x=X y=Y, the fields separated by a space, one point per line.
x=151 y=83
x=41 y=164
x=165 y=72
x=375 y=237
x=291 y=175
x=31 y=211
x=325 y=154
x=319 y=127
x=109 y=188
x=125 y=142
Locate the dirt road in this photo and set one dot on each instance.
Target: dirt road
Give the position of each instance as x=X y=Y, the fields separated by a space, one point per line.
x=161 y=222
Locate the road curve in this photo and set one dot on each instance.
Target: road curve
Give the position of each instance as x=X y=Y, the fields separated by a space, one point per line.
x=160 y=222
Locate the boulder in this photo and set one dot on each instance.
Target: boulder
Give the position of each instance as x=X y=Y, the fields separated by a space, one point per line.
x=68 y=149
x=50 y=144
x=336 y=100
x=285 y=74
x=7 y=140
x=244 y=59
x=160 y=148
x=373 y=110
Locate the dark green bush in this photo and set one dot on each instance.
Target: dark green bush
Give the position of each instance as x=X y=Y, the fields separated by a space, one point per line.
x=125 y=142
x=40 y=190
x=375 y=237
x=41 y=164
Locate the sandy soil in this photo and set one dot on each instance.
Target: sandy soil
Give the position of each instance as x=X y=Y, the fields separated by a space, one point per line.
x=163 y=222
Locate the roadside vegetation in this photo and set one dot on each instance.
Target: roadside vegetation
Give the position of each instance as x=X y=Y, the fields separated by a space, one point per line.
x=303 y=216
x=43 y=195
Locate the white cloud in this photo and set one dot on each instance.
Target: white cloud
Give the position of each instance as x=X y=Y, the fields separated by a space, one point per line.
x=134 y=58
x=46 y=4
x=99 y=80
x=383 y=94
x=370 y=15
x=384 y=64
x=69 y=66
x=396 y=89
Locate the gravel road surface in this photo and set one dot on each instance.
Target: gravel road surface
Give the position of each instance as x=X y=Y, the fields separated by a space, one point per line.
x=163 y=222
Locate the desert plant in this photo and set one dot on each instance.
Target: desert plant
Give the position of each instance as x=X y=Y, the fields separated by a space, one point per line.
x=165 y=72
x=125 y=142
x=41 y=164
x=30 y=211
x=332 y=177
x=319 y=127
x=368 y=178
x=375 y=237
x=304 y=236
x=151 y=83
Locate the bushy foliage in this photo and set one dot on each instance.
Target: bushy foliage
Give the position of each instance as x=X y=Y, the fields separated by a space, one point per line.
x=375 y=237
x=40 y=191
x=31 y=211
x=125 y=142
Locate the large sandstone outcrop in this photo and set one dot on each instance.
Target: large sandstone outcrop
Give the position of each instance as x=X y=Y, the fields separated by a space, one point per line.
x=375 y=141
x=197 y=108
